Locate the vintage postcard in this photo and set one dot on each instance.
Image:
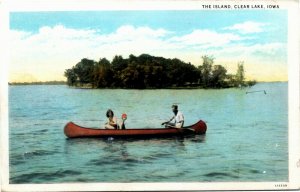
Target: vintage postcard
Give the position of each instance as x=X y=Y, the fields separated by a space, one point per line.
x=149 y=95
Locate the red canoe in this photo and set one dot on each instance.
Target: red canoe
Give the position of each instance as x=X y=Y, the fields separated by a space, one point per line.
x=72 y=130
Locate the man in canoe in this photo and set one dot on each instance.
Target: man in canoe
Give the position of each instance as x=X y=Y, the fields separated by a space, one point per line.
x=112 y=121
x=178 y=118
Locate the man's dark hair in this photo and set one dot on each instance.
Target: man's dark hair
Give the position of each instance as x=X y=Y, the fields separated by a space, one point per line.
x=175 y=107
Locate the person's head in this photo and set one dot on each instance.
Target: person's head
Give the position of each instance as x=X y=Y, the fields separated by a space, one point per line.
x=124 y=116
x=175 y=108
x=109 y=113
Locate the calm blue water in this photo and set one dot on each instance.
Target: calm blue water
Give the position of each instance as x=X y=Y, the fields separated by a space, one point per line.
x=247 y=137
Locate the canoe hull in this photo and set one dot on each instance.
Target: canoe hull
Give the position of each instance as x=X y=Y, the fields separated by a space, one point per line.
x=72 y=130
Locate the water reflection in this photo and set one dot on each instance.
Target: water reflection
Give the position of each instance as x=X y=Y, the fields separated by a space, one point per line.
x=199 y=139
x=114 y=154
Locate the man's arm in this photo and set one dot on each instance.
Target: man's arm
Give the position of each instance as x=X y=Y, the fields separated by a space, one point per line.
x=168 y=121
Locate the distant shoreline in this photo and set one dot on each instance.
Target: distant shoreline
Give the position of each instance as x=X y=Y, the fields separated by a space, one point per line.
x=78 y=87
x=39 y=83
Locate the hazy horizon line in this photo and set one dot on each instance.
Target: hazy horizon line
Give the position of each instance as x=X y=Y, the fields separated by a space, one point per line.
x=61 y=81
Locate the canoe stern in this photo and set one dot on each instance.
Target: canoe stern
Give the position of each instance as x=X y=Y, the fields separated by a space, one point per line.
x=200 y=127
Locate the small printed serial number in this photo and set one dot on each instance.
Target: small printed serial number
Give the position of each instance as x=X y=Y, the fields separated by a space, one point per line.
x=280 y=185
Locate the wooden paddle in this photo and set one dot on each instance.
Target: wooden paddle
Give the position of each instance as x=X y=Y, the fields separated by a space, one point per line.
x=184 y=128
x=177 y=127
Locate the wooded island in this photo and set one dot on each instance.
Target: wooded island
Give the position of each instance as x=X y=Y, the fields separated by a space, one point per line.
x=146 y=71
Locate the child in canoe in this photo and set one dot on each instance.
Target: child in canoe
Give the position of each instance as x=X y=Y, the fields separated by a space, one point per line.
x=112 y=122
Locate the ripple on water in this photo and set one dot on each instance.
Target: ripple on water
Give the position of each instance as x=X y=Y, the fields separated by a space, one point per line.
x=220 y=175
x=129 y=161
x=17 y=159
x=31 y=154
x=37 y=177
x=159 y=155
x=102 y=161
x=39 y=132
x=255 y=171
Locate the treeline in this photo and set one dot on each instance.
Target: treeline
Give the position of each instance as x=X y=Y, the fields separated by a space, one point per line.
x=39 y=83
x=146 y=71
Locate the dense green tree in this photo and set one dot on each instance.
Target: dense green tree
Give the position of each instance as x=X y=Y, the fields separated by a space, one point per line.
x=71 y=76
x=240 y=74
x=206 y=70
x=132 y=77
x=218 y=76
x=118 y=63
x=146 y=71
x=84 y=71
x=102 y=74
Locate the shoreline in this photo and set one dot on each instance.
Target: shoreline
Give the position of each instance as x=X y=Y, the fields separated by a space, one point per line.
x=149 y=88
x=39 y=83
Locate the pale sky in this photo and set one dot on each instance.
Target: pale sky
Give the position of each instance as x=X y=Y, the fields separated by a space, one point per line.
x=44 y=44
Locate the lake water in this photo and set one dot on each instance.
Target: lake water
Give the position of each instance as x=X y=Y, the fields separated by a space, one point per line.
x=246 y=140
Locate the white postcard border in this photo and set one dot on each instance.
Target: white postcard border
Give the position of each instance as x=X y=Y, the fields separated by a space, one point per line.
x=63 y=5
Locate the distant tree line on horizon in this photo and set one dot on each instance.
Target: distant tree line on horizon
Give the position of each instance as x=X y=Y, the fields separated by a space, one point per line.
x=38 y=83
x=146 y=71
